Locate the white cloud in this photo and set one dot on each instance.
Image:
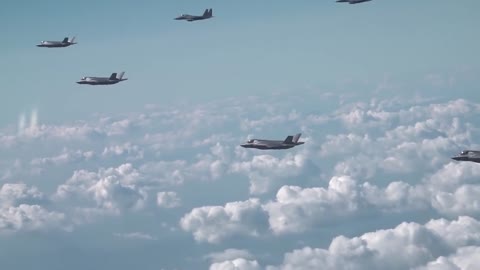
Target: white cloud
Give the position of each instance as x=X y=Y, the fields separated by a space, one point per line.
x=298 y=209
x=407 y=246
x=127 y=150
x=65 y=157
x=266 y=171
x=112 y=190
x=214 y=223
x=28 y=218
x=465 y=258
x=135 y=236
x=168 y=199
x=236 y=264
x=229 y=254
x=14 y=194
x=380 y=157
x=19 y=210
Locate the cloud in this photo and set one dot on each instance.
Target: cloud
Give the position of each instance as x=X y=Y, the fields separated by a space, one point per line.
x=406 y=246
x=112 y=190
x=266 y=171
x=229 y=254
x=168 y=199
x=19 y=193
x=237 y=264
x=20 y=210
x=464 y=258
x=378 y=158
x=298 y=209
x=26 y=217
x=135 y=236
x=127 y=150
x=66 y=157
x=215 y=223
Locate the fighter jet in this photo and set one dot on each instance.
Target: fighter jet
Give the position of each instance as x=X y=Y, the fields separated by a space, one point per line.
x=468 y=155
x=206 y=15
x=57 y=44
x=103 y=80
x=352 y=1
x=289 y=142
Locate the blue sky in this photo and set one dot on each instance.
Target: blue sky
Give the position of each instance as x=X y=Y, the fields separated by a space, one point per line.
x=148 y=173
x=248 y=48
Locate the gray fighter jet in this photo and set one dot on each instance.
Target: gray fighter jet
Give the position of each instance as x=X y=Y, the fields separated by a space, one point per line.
x=206 y=15
x=57 y=44
x=468 y=155
x=352 y=1
x=103 y=80
x=289 y=142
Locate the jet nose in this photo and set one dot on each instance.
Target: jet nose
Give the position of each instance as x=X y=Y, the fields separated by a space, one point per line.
x=457 y=158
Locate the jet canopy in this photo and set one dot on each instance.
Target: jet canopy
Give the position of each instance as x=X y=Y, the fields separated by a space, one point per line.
x=251 y=141
x=464 y=153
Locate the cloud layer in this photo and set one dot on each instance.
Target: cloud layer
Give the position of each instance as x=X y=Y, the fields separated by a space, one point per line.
x=179 y=173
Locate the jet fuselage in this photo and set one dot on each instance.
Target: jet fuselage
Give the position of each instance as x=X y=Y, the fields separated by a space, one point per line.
x=468 y=155
x=57 y=44
x=186 y=17
x=352 y=1
x=269 y=144
x=289 y=142
x=99 y=81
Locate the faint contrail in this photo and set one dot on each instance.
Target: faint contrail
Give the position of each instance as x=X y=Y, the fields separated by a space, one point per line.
x=34 y=120
x=22 y=123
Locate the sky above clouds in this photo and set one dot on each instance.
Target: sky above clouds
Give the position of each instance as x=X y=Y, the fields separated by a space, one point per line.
x=149 y=173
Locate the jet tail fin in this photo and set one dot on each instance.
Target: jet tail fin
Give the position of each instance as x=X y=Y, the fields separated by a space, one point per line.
x=121 y=75
x=210 y=13
x=296 y=137
x=72 y=40
x=288 y=140
x=113 y=76
x=65 y=40
x=206 y=13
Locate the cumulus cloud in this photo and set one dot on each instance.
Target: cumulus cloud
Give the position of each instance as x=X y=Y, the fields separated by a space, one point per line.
x=19 y=193
x=237 y=264
x=112 y=190
x=214 y=223
x=266 y=171
x=20 y=210
x=406 y=246
x=229 y=254
x=29 y=218
x=65 y=157
x=127 y=150
x=298 y=209
x=369 y=159
x=465 y=258
x=168 y=199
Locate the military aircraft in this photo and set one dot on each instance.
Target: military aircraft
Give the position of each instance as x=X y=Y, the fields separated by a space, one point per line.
x=468 y=155
x=103 y=80
x=57 y=44
x=206 y=15
x=289 y=142
x=352 y=1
